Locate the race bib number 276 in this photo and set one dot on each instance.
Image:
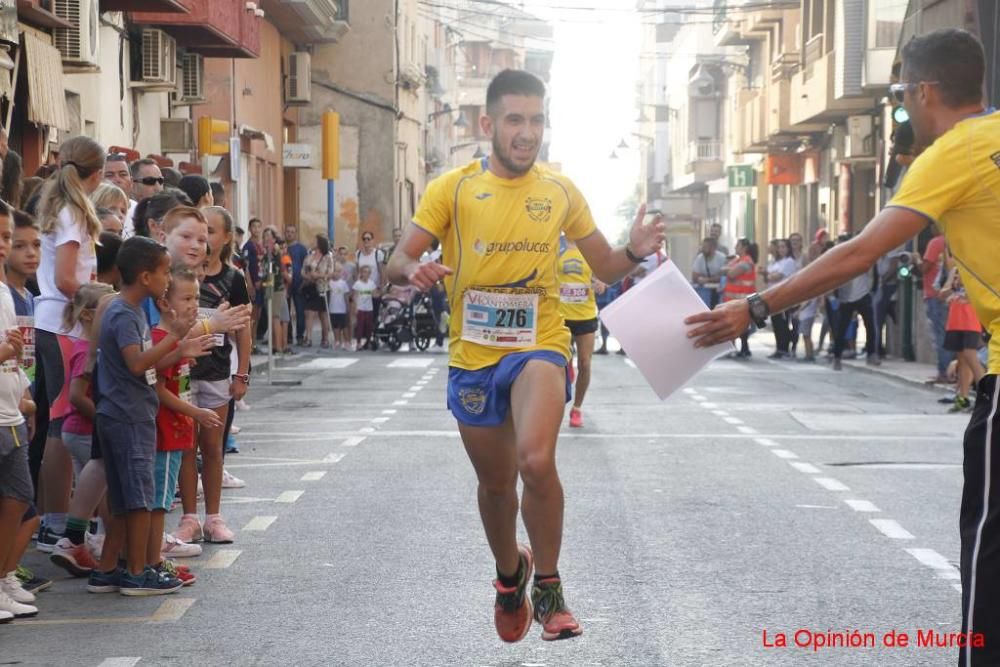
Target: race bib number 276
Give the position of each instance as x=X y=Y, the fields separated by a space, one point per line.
x=500 y=319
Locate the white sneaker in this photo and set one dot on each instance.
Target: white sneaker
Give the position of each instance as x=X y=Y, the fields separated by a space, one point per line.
x=175 y=548
x=234 y=429
x=14 y=607
x=6 y=617
x=242 y=405
x=231 y=482
x=95 y=544
x=11 y=585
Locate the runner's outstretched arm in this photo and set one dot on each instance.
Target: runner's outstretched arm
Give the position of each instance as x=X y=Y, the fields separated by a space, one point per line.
x=890 y=229
x=404 y=266
x=612 y=264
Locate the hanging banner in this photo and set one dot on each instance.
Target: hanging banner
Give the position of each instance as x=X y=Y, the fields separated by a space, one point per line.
x=783 y=169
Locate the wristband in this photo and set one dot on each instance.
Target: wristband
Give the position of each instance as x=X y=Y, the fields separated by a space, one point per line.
x=207 y=329
x=632 y=257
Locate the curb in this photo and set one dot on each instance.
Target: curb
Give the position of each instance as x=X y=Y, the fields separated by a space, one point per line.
x=894 y=377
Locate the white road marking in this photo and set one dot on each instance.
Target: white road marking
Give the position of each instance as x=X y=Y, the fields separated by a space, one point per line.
x=332 y=458
x=421 y=383
x=687 y=390
x=816 y=507
x=410 y=394
x=366 y=429
x=932 y=559
x=766 y=442
x=171 y=610
x=313 y=476
x=325 y=363
x=862 y=505
x=957 y=587
x=411 y=362
x=709 y=406
x=831 y=484
x=389 y=412
x=720 y=413
x=400 y=402
x=747 y=430
x=352 y=442
x=698 y=397
x=629 y=362
x=260 y=523
x=243 y=500
x=415 y=388
x=380 y=420
x=261 y=438
x=733 y=420
x=222 y=559
x=119 y=662
x=891 y=529
x=288 y=497
x=784 y=454
x=807 y=468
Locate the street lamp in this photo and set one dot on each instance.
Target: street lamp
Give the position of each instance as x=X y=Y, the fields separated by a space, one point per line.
x=459 y=122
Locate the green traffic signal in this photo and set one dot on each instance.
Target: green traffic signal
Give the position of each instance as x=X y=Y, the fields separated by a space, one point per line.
x=904 y=272
x=899 y=115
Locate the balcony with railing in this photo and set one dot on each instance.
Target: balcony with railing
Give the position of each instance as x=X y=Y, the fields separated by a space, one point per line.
x=814 y=50
x=703 y=150
x=213 y=28
x=309 y=21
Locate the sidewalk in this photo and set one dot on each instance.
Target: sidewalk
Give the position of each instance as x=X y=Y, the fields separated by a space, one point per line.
x=909 y=372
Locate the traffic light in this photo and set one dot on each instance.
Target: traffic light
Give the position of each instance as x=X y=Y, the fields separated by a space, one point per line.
x=905 y=271
x=331 y=145
x=208 y=129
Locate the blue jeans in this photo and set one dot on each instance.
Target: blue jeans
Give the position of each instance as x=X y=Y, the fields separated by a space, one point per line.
x=937 y=317
x=300 y=313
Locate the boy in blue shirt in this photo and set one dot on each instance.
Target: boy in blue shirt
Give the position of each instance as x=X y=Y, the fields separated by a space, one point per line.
x=127 y=412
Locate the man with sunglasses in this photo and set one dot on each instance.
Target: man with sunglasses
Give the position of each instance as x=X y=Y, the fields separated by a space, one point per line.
x=955 y=184
x=147 y=180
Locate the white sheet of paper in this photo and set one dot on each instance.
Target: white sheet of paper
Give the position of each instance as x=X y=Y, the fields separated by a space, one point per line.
x=648 y=321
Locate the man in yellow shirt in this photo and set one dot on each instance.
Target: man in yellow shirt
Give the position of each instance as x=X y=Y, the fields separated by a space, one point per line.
x=578 y=307
x=499 y=221
x=955 y=183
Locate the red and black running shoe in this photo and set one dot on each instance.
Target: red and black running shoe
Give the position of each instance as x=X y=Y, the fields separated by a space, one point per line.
x=512 y=611
x=551 y=611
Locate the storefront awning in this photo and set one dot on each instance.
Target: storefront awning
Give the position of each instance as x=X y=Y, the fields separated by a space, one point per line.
x=46 y=88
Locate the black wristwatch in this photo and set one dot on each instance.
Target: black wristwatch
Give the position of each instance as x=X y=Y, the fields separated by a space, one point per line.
x=759 y=311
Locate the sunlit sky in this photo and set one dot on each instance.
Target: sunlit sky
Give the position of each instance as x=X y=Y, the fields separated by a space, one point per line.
x=593 y=100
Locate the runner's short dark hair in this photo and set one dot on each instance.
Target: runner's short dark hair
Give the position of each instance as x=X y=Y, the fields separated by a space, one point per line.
x=512 y=82
x=107 y=251
x=139 y=255
x=951 y=57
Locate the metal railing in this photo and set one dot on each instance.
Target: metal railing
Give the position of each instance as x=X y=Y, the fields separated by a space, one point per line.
x=703 y=151
x=814 y=49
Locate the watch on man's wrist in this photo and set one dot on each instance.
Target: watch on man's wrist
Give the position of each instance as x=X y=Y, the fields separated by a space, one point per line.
x=632 y=257
x=759 y=310
x=242 y=377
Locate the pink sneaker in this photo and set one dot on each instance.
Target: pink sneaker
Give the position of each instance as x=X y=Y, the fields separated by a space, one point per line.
x=576 y=418
x=216 y=531
x=189 y=530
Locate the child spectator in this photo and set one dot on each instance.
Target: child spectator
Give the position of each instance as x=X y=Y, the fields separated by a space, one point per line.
x=22 y=264
x=175 y=426
x=70 y=229
x=110 y=221
x=127 y=412
x=363 y=299
x=16 y=489
x=963 y=336
x=337 y=296
x=276 y=271
x=107 y=253
x=214 y=386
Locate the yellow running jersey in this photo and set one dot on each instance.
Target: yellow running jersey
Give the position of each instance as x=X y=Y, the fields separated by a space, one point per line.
x=576 y=290
x=956 y=183
x=501 y=238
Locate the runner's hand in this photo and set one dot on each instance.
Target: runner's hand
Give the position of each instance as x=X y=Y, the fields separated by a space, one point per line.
x=237 y=390
x=200 y=346
x=15 y=339
x=230 y=318
x=425 y=276
x=644 y=240
x=727 y=322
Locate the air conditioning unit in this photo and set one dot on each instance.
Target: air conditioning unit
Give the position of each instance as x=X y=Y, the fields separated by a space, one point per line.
x=191 y=90
x=176 y=135
x=860 y=139
x=159 y=61
x=298 y=86
x=79 y=44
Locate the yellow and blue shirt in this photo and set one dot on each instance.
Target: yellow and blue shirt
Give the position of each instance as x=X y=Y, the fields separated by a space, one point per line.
x=576 y=290
x=501 y=237
x=956 y=183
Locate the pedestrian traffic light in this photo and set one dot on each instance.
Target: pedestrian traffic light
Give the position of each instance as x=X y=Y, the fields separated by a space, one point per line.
x=331 y=145
x=904 y=272
x=208 y=129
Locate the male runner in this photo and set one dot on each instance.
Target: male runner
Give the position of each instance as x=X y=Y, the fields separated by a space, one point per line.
x=579 y=308
x=499 y=221
x=956 y=184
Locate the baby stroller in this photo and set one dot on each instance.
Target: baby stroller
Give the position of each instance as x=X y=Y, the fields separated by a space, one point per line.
x=412 y=322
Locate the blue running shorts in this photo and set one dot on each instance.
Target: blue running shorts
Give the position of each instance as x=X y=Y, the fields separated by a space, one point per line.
x=482 y=397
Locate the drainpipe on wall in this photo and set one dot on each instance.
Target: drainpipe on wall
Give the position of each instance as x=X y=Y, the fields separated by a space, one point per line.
x=397 y=167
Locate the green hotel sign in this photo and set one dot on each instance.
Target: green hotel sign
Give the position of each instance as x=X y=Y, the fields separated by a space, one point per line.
x=741 y=177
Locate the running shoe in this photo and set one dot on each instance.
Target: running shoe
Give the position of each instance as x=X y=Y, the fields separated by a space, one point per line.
x=95 y=544
x=216 y=531
x=189 y=530
x=104 y=582
x=12 y=586
x=512 y=611
x=6 y=617
x=148 y=582
x=962 y=404
x=179 y=572
x=230 y=481
x=74 y=558
x=47 y=540
x=576 y=418
x=174 y=548
x=31 y=583
x=18 y=609
x=551 y=611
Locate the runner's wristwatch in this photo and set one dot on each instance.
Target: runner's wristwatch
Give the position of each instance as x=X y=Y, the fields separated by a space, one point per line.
x=242 y=377
x=759 y=311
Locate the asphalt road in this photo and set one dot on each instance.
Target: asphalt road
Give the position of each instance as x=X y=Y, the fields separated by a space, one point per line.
x=765 y=498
